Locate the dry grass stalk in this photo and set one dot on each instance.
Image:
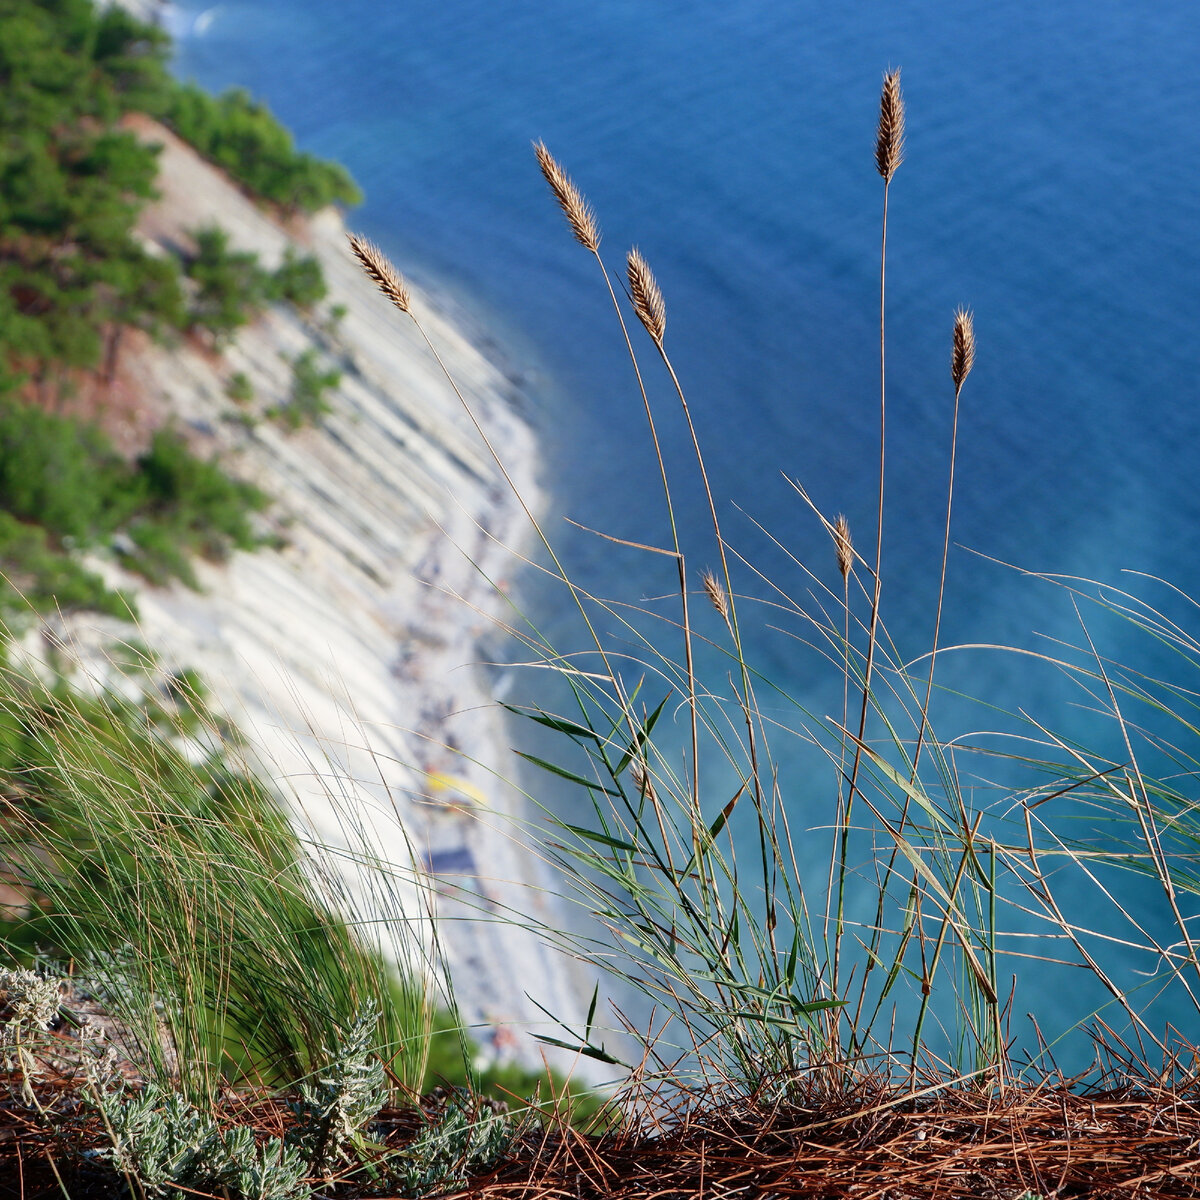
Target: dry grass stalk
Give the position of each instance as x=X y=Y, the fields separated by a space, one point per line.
x=575 y=208
x=889 y=154
x=843 y=545
x=715 y=592
x=385 y=277
x=889 y=140
x=1129 y=1142
x=647 y=296
x=962 y=356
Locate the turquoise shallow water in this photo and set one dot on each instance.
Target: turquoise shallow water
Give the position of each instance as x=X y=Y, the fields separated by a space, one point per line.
x=1051 y=184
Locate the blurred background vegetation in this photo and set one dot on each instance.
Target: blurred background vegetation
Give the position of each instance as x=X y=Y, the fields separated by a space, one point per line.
x=75 y=279
x=134 y=839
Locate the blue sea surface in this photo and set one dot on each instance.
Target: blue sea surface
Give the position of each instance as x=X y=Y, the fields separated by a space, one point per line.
x=1051 y=184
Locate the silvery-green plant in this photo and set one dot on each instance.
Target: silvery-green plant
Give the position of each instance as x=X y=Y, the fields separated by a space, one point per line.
x=272 y=1171
x=159 y=1138
x=30 y=1002
x=332 y=1113
x=172 y=1148
x=464 y=1137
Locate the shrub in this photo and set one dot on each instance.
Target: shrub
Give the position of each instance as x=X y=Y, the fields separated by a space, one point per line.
x=464 y=1137
x=337 y=314
x=171 y=1148
x=41 y=577
x=63 y=488
x=239 y=388
x=231 y=287
x=196 y=500
x=309 y=384
x=29 y=1002
x=61 y=473
x=299 y=281
x=159 y=555
x=333 y=1110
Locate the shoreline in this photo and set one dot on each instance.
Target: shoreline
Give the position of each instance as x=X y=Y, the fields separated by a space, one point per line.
x=347 y=657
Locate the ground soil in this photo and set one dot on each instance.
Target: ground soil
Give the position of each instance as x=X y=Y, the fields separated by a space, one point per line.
x=1048 y=1141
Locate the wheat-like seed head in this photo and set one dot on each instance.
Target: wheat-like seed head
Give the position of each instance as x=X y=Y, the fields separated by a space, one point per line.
x=647 y=296
x=641 y=780
x=385 y=277
x=889 y=140
x=843 y=546
x=716 y=594
x=575 y=208
x=962 y=356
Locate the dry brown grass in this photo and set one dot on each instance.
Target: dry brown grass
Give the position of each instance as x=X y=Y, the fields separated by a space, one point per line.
x=1048 y=1141
x=1129 y=1141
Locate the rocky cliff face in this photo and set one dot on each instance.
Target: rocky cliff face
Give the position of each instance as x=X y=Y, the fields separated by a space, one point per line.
x=345 y=655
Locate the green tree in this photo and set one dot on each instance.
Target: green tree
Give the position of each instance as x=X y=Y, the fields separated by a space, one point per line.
x=144 y=294
x=75 y=279
x=71 y=186
x=61 y=474
x=241 y=135
x=63 y=488
x=231 y=286
x=133 y=56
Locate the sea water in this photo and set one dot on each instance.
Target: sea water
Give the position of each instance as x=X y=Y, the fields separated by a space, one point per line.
x=1050 y=184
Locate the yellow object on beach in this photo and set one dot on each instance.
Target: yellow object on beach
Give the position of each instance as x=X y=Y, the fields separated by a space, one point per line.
x=453 y=791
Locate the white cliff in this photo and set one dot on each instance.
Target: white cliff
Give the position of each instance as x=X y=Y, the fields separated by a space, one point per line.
x=346 y=656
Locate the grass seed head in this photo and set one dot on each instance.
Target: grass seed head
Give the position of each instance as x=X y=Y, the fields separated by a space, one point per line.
x=385 y=277
x=641 y=780
x=962 y=356
x=843 y=545
x=716 y=594
x=647 y=296
x=575 y=208
x=889 y=140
